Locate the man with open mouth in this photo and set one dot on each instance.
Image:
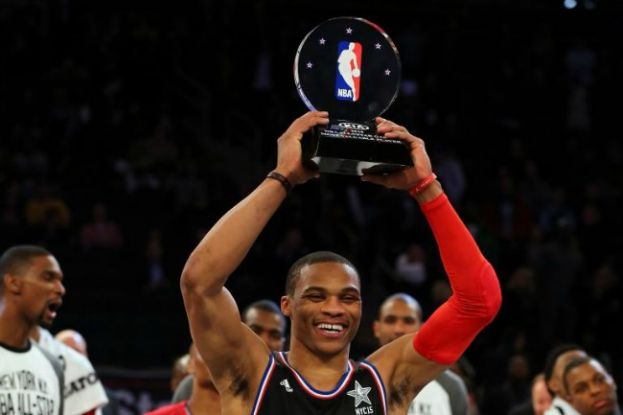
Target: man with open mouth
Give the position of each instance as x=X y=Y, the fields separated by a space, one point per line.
x=31 y=291
x=323 y=302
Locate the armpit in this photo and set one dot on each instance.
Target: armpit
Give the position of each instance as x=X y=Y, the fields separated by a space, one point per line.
x=239 y=386
x=402 y=392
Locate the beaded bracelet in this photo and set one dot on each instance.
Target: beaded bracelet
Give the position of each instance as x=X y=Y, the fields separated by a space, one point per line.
x=281 y=179
x=422 y=184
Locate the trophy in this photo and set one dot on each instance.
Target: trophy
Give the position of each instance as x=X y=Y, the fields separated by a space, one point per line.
x=349 y=67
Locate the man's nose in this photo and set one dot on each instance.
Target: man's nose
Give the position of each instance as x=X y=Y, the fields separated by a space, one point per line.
x=332 y=306
x=400 y=329
x=60 y=288
x=265 y=337
x=595 y=389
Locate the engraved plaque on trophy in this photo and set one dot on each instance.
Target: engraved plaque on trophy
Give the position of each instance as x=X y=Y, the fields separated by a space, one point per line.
x=349 y=67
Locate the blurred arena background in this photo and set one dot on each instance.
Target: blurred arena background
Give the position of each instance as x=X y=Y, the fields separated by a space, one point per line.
x=128 y=128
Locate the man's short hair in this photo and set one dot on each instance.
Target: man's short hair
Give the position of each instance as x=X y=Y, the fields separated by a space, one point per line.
x=405 y=298
x=265 y=305
x=552 y=356
x=15 y=258
x=315 y=257
x=573 y=363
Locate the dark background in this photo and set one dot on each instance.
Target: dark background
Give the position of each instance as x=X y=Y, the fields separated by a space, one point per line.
x=166 y=114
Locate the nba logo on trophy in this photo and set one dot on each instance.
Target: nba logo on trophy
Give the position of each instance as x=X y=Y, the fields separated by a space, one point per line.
x=348 y=76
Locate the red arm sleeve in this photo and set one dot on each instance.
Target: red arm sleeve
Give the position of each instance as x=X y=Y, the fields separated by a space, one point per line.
x=476 y=296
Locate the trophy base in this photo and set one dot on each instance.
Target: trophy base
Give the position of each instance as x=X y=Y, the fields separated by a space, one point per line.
x=345 y=147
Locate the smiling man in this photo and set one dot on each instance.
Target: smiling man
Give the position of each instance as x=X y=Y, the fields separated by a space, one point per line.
x=323 y=302
x=31 y=291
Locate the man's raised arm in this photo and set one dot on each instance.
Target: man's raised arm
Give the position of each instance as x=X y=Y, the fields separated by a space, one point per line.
x=409 y=362
x=223 y=341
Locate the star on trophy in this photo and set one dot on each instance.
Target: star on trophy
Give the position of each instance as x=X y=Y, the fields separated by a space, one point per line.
x=349 y=67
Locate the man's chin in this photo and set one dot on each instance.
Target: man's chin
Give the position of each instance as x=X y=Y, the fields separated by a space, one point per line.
x=45 y=323
x=330 y=350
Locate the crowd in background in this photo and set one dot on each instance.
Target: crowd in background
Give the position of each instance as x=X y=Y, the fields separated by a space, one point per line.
x=125 y=132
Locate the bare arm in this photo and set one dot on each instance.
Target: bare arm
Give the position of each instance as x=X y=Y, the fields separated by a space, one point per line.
x=411 y=361
x=230 y=349
x=213 y=315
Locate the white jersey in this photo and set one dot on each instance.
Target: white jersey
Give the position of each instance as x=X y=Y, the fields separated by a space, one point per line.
x=446 y=395
x=83 y=390
x=561 y=407
x=431 y=400
x=28 y=382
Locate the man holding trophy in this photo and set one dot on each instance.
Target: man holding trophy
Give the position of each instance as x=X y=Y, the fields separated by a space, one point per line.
x=323 y=300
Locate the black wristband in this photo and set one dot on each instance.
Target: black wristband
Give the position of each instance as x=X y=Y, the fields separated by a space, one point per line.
x=281 y=179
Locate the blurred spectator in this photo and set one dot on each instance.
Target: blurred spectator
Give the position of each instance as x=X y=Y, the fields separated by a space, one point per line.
x=514 y=390
x=580 y=61
x=450 y=173
x=179 y=370
x=555 y=363
x=410 y=270
x=411 y=265
x=74 y=340
x=590 y=388
x=100 y=232
x=540 y=399
x=156 y=274
x=157 y=150
x=204 y=398
x=602 y=303
x=43 y=204
x=467 y=372
x=10 y=217
x=401 y=314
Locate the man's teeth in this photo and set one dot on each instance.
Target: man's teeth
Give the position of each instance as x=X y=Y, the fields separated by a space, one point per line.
x=331 y=327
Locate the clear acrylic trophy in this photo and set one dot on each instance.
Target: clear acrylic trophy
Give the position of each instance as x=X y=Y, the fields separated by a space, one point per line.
x=349 y=67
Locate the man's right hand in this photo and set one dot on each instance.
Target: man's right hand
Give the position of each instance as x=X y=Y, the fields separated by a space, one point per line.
x=289 y=153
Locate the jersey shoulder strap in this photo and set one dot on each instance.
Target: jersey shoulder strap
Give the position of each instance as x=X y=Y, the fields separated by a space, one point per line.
x=58 y=368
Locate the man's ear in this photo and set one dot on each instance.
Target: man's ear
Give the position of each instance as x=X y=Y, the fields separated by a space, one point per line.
x=13 y=283
x=553 y=386
x=191 y=366
x=376 y=328
x=286 y=305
